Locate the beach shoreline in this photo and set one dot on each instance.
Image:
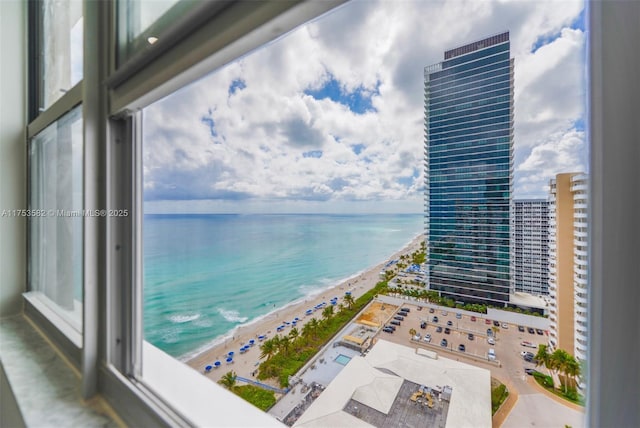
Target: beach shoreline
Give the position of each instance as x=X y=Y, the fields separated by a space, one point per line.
x=246 y=364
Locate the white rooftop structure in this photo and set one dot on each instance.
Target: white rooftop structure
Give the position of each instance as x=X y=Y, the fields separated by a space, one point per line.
x=363 y=381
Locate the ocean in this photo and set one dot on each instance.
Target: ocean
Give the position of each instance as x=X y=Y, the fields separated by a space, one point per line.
x=205 y=274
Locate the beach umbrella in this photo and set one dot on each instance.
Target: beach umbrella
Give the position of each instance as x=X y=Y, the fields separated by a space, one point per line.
x=230 y=353
x=208 y=369
x=217 y=364
x=348 y=293
x=229 y=360
x=296 y=319
x=261 y=337
x=251 y=342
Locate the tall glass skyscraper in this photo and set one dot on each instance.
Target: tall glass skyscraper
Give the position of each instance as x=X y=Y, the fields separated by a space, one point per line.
x=468 y=171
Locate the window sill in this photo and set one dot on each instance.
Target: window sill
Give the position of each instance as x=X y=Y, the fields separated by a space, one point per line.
x=203 y=402
x=55 y=327
x=40 y=380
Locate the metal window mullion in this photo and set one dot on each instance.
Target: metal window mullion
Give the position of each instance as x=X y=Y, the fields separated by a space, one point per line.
x=64 y=104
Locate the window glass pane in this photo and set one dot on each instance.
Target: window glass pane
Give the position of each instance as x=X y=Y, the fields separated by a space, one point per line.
x=60 y=48
x=140 y=23
x=55 y=226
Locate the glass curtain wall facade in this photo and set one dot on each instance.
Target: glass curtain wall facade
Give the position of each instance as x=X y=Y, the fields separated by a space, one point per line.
x=469 y=168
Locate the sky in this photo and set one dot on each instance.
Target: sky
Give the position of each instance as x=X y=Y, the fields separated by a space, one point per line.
x=330 y=117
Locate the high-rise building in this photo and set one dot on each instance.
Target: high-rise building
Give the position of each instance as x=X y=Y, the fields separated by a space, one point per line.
x=530 y=246
x=468 y=171
x=568 y=263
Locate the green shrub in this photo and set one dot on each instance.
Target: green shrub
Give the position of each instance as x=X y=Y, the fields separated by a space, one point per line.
x=261 y=398
x=498 y=395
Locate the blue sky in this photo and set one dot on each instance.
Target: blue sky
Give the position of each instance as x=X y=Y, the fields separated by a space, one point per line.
x=330 y=117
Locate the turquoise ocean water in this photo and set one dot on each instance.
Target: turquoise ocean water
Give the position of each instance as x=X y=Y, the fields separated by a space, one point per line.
x=206 y=274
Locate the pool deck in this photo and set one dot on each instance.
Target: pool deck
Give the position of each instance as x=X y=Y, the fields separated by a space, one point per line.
x=322 y=372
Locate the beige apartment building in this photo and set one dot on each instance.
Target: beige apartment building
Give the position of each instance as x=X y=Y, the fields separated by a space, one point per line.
x=568 y=260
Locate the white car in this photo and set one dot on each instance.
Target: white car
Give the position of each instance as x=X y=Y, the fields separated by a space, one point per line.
x=417 y=336
x=490 y=341
x=525 y=353
x=427 y=338
x=505 y=325
x=528 y=344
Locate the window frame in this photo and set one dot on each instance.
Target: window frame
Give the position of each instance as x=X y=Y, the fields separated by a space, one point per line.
x=106 y=117
x=38 y=307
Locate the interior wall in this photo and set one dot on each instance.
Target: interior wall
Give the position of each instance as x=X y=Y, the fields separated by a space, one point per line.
x=13 y=48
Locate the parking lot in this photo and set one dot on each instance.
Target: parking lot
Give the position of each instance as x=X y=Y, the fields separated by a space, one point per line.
x=455 y=327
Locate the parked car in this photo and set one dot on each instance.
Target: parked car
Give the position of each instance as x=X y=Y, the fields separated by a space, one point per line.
x=528 y=344
x=473 y=318
x=423 y=325
x=496 y=323
x=417 y=336
x=525 y=353
x=427 y=338
x=395 y=322
x=392 y=327
x=459 y=315
x=540 y=332
x=461 y=347
x=487 y=321
x=443 y=342
x=435 y=319
x=438 y=329
x=521 y=328
x=444 y=313
x=431 y=310
x=529 y=371
x=491 y=341
x=399 y=318
x=489 y=332
x=447 y=330
x=405 y=310
x=419 y=308
x=505 y=325
x=531 y=330
x=449 y=323
x=471 y=336
x=387 y=330
x=491 y=355
x=528 y=358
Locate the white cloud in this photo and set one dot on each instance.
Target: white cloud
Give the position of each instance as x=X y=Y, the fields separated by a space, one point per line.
x=263 y=129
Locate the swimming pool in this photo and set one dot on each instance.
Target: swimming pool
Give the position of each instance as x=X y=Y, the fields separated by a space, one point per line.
x=342 y=359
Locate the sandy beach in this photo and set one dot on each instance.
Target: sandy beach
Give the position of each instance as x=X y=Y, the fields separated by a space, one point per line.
x=246 y=364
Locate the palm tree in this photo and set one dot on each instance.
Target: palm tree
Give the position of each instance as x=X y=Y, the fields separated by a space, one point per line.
x=412 y=332
x=348 y=299
x=284 y=344
x=340 y=307
x=228 y=380
x=267 y=348
x=327 y=312
x=572 y=368
x=294 y=333
x=543 y=358
x=313 y=327
x=561 y=360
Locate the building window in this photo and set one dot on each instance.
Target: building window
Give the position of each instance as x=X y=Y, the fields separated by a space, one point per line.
x=55 y=226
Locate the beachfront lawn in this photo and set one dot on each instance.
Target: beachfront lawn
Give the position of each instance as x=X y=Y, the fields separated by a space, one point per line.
x=286 y=355
x=261 y=398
